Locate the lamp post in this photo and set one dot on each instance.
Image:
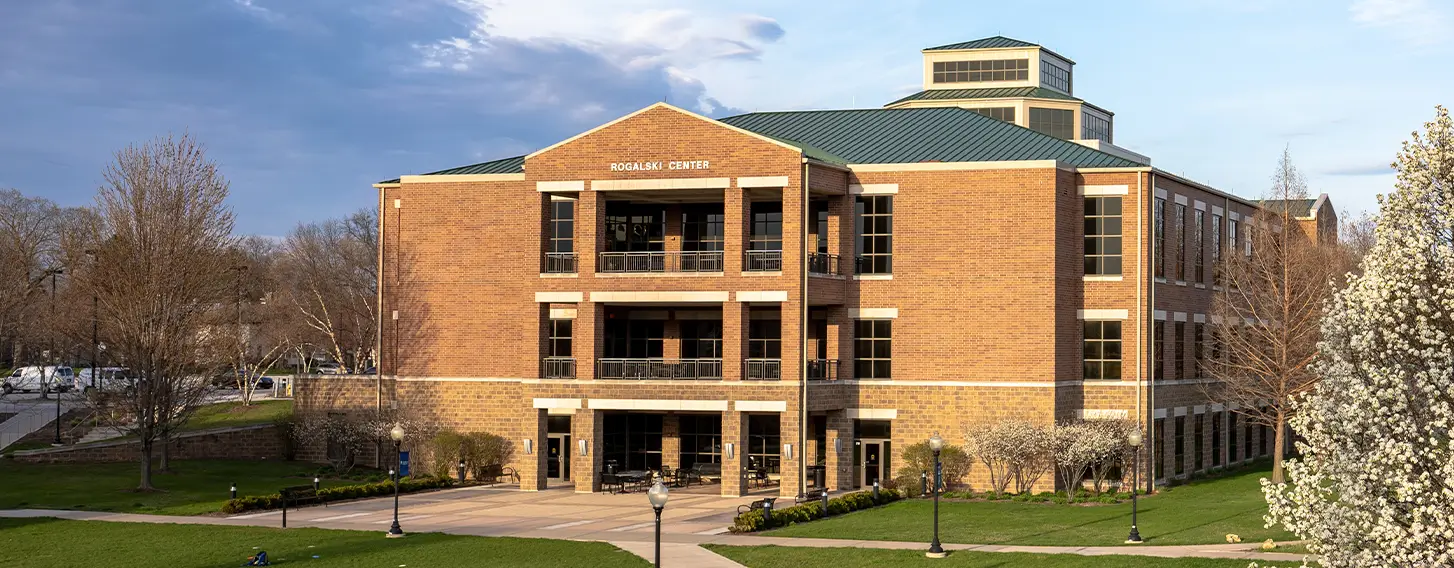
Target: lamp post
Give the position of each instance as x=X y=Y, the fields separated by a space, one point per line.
x=1134 y=440
x=657 y=495
x=397 y=435
x=936 y=444
x=55 y=368
x=95 y=317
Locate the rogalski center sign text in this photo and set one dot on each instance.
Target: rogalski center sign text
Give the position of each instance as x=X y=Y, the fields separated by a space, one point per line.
x=658 y=166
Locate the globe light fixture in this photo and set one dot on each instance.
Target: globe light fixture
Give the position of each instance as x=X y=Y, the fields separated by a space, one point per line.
x=658 y=495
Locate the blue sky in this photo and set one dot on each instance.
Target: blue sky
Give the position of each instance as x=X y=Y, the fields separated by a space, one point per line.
x=304 y=103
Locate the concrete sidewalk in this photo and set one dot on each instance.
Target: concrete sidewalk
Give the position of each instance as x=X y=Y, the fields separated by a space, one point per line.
x=636 y=535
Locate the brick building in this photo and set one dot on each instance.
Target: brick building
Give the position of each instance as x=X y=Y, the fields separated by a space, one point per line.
x=789 y=291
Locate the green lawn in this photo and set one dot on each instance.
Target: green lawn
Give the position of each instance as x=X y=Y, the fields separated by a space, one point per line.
x=54 y=543
x=1202 y=512
x=196 y=486
x=228 y=414
x=789 y=557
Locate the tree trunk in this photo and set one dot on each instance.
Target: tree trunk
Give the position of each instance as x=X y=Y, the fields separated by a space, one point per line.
x=166 y=463
x=145 y=466
x=1277 y=447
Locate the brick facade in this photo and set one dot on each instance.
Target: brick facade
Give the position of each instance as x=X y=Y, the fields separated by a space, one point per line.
x=261 y=442
x=987 y=300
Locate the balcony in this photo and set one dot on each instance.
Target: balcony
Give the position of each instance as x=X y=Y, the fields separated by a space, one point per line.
x=763 y=370
x=659 y=369
x=823 y=264
x=648 y=262
x=822 y=369
x=558 y=368
x=762 y=261
x=560 y=263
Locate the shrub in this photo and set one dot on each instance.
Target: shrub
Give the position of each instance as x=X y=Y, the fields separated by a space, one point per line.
x=753 y=521
x=919 y=458
x=1013 y=450
x=446 y=448
x=340 y=493
x=287 y=436
x=482 y=449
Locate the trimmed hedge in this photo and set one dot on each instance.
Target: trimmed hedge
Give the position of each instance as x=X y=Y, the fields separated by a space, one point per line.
x=340 y=493
x=753 y=521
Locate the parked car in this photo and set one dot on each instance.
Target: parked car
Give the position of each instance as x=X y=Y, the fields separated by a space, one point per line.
x=105 y=378
x=231 y=380
x=39 y=379
x=331 y=369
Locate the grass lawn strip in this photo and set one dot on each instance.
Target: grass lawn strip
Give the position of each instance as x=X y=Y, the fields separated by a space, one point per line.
x=56 y=543
x=196 y=487
x=232 y=414
x=1202 y=512
x=790 y=557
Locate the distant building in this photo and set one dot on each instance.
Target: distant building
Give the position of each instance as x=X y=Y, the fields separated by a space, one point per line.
x=794 y=292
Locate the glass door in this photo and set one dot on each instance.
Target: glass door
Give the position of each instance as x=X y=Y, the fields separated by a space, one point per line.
x=872 y=463
x=557 y=461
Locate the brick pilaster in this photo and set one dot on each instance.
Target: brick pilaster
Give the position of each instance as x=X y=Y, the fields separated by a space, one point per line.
x=590 y=227
x=791 y=474
x=587 y=425
x=533 y=468
x=839 y=473
x=737 y=219
x=589 y=332
x=734 y=340
x=734 y=431
x=671 y=441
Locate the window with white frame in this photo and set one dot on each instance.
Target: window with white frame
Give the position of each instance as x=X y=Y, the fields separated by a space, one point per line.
x=1101 y=350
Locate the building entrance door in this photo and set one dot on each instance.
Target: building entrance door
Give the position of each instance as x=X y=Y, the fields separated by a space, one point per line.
x=874 y=463
x=557 y=462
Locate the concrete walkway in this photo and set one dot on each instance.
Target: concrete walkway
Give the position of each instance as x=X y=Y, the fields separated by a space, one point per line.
x=591 y=521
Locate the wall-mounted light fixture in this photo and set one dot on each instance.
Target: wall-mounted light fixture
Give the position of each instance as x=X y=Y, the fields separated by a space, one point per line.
x=528 y=446
x=582 y=444
x=787 y=451
x=838 y=445
x=730 y=455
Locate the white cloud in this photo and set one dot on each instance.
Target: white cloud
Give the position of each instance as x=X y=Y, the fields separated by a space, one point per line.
x=251 y=7
x=1415 y=21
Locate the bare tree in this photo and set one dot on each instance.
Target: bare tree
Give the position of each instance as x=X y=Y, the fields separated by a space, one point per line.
x=1356 y=236
x=264 y=329
x=163 y=235
x=30 y=246
x=1269 y=310
x=330 y=276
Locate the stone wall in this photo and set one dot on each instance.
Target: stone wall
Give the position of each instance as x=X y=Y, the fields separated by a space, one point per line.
x=260 y=442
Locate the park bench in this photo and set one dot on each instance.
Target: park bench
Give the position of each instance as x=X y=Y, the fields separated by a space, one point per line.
x=810 y=496
x=492 y=473
x=299 y=494
x=754 y=506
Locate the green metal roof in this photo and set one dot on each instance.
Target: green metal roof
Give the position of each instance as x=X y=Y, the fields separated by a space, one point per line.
x=503 y=166
x=992 y=93
x=984 y=43
x=910 y=135
x=1297 y=207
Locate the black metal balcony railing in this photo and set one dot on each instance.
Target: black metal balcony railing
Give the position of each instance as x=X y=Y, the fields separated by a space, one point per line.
x=558 y=368
x=763 y=369
x=648 y=369
x=560 y=263
x=822 y=369
x=823 y=263
x=762 y=261
x=660 y=261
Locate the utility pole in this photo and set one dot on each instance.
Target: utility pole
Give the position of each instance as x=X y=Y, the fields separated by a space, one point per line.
x=95 y=318
x=54 y=272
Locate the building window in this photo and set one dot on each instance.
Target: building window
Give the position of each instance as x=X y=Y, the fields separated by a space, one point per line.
x=1198 y=337
x=874 y=225
x=560 y=337
x=1160 y=221
x=872 y=349
x=767 y=226
x=1217 y=439
x=1158 y=338
x=701 y=439
x=1247 y=241
x=764 y=437
x=1232 y=235
x=1178 y=228
x=818 y=211
x=562 y=226
x=1095 y=127
x=1053 y=121
x=1102 y=350
x=1179 y=457
x=985 y=70
x=1179 y=349
x=1054 y=76
x=701 y=339
x=1159 y=449
x=764 y=339
x=702 y=229
x=1262 y=444
x=1216 y=249
x=1232 y=438
x=1006 y=114
x=1103 y=235
x=1196 y=441
x=1198 y=243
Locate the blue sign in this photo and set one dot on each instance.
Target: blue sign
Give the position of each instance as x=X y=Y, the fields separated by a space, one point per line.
x=403 y=464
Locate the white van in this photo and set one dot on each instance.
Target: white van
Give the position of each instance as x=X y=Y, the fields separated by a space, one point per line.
x=41 y=379
x=106 y=378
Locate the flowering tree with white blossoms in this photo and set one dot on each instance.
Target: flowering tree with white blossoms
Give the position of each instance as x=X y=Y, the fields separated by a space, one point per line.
x=1375 y=483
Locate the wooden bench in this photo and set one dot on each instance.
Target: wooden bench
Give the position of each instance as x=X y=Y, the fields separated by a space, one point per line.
x=810 y=496
x=492 y=473
x=299 y=494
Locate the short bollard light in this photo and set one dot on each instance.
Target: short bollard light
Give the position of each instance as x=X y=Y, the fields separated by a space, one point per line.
x=461 y=471
x=767 y=511
x=923 y=484
x=315 y=483
x=234 y=490
x=825 y=503
x=875 y=491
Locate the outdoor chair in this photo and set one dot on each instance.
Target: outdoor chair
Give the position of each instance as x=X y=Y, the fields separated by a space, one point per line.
x=611 y=483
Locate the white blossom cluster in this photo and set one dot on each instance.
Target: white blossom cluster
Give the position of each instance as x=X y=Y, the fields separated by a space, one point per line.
x=1374 y=485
